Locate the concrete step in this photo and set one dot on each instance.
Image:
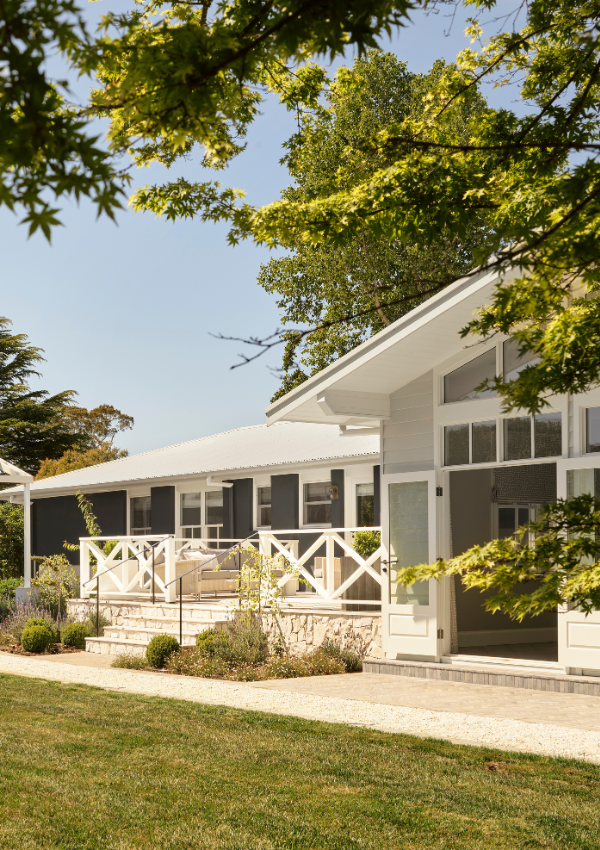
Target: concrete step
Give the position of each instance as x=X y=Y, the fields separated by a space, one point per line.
x=141 y=633
x=116 y=646
x=197 y=624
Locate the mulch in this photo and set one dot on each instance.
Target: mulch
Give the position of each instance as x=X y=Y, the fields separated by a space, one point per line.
x=55 y=649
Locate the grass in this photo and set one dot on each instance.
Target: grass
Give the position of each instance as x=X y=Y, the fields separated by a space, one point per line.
x=86 y=769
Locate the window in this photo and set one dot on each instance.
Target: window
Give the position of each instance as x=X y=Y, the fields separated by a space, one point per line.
x=456 y=444
x=517 y=438
x=592 y=429
x=483 y=437
x=512 y=517
x=470 y=443
x=365 y=505
x=409 y=539
x=264 y=507
x=461 y=385
x=140 y=515
x=547 y=428
x=521 y=441
x=213 y=509
x=317 y=503
x=191 y=515
x=513 y=362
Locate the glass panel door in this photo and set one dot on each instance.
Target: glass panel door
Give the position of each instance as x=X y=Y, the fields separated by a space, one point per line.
x=409 y=614
x=578 y=633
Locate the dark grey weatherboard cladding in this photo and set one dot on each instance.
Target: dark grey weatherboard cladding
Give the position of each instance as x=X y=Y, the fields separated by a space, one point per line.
x=57 y=519
x=377 y=495
x=162 y=506
x=337 y=505
x=285 y=491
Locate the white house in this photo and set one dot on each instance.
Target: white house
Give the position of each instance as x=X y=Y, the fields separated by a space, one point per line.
x=456 y=471
x=217 y=489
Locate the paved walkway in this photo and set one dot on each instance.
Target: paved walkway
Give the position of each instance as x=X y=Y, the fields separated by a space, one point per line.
x=512 y=719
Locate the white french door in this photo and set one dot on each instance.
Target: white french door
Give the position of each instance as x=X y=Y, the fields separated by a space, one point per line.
x=409 y=521
x=578 y=634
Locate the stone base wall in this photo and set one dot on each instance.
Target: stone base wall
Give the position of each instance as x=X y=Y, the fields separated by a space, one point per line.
x=301 y=632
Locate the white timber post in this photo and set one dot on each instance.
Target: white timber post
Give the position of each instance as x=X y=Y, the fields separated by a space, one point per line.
x=171 y=590
x=27 y=535
x=85 y=573
x=330 y=564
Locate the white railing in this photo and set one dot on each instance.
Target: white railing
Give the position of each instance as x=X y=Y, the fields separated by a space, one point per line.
x=129 y=568
x=144 y=566
x=331 y=587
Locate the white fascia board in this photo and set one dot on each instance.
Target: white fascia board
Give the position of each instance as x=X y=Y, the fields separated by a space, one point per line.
x=382 y=341
x=354 y=404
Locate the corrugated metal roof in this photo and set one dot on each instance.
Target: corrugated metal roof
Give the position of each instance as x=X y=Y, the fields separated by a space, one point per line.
x=244 y=448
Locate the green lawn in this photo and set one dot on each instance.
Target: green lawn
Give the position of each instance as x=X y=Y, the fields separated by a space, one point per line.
x=84 y=768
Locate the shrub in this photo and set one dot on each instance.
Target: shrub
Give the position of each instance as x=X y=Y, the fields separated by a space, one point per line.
x=209 y=641
x=247 y=643
x=90 y=624
x=130 y=662
x=322 y=664
x=159 y=649
x=194 y=663
x=14 y=623
x=42 y=621
x=350 y=652
x=366 y=542
x=74 y=635
x=36 y=638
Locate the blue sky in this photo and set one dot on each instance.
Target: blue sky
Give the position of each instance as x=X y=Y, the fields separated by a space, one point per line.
x=124 y=312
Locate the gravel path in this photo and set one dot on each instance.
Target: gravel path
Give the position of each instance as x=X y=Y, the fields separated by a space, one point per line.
x=514 y=735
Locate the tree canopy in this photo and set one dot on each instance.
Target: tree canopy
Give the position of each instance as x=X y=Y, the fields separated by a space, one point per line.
x=350 y=291
x=41 y=430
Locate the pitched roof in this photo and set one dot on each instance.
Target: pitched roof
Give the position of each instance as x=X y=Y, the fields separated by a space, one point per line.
x=405 y=350
x=251 y=447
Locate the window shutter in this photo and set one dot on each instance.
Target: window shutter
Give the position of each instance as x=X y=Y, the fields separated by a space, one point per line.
x=243 y=524
x=162 y=506
x=337 y=505
x=377 y=495
x=285 y=501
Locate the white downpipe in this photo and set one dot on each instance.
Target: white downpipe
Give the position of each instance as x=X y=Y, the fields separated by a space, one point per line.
x=26 y=535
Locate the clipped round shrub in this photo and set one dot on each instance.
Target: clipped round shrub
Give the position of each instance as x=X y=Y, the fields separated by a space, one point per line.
x=159 y=649
x=39 y=621
x=37 y=638
x=74 y=635
x=209 y=642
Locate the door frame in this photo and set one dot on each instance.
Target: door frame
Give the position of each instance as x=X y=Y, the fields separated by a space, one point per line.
x=578 y=633
x=427 y=627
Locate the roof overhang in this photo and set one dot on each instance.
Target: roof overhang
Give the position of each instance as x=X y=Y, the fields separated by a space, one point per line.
x=355 y=389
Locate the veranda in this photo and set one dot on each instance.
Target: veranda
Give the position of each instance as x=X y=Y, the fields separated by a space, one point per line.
x=163 y=584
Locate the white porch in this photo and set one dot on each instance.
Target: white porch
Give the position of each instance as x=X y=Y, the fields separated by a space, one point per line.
x=319 y=565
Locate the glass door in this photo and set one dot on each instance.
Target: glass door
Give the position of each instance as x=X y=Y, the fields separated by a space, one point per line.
x=578 y=634
x=409 y=614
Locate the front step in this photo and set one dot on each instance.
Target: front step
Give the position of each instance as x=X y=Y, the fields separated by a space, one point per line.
x=509 y=676
x=116 y=646
x=144 y=634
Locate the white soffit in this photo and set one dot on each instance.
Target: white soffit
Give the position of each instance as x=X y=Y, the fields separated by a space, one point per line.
x=397 y=355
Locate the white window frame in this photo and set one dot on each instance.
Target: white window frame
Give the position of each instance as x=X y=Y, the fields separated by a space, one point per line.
x=313 y=479
x=134 y=495
x=584 y=438
x=467 y=358
x=260 y=486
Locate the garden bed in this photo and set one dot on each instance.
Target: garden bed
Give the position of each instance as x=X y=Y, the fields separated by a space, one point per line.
x=54 y=649
x=243 y=654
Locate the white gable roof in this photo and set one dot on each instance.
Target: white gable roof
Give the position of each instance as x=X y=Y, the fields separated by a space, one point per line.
x=397 y=355
x=253 y=447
